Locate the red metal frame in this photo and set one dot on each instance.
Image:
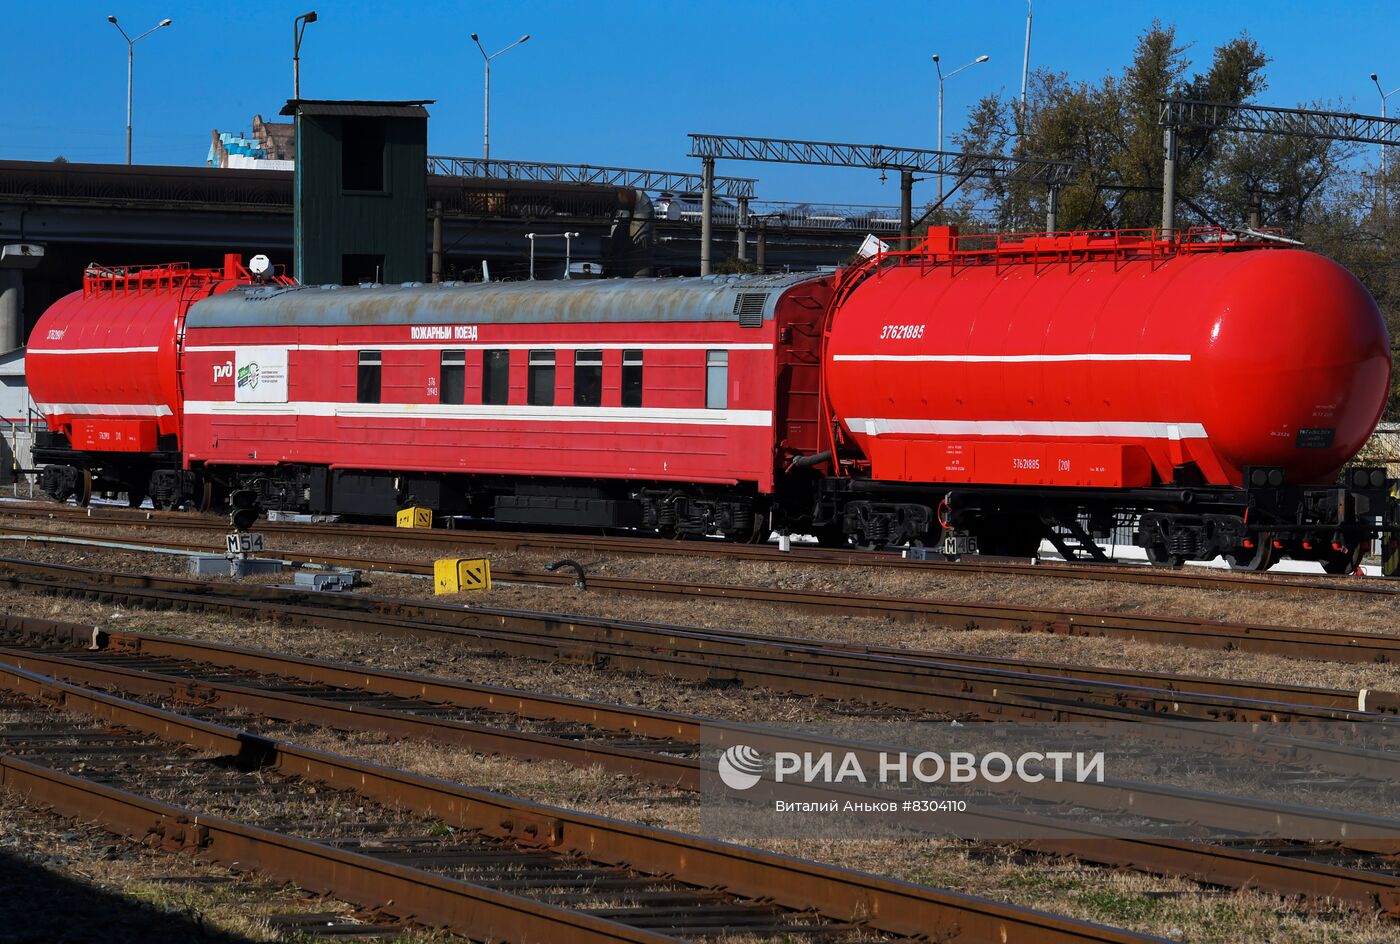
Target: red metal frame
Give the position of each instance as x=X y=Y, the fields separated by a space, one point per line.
x=168 y=277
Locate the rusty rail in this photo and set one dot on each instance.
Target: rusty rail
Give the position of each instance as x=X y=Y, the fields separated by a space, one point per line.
x=1190 y=578
x=905 y=678
x=1293 y=642
x=1092 y=843
x=835 y=894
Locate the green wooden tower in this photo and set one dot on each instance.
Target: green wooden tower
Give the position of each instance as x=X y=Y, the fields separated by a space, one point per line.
x=359 y=191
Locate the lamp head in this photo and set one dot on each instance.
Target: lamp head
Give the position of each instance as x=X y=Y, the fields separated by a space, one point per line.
x=309 y=17
x=475 y=39
x=935 y=57
x=1373 y=75
x=113 y=21
x=525 y=37
x=982 y=58
x=165 y=22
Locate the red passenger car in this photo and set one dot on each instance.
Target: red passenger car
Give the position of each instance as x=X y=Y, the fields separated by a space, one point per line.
x=661 y=403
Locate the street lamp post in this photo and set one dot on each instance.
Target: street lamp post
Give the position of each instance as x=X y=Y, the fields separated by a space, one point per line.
x=1384 y=95
x=1026 y=63
x=941 y=79
x=298 y=31
x=486 y=134
x=130 y=68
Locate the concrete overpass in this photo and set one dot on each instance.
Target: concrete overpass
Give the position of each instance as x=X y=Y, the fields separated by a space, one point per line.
x=121 y=215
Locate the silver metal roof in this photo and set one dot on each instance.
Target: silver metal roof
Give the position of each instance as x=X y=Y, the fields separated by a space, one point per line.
x=708 y=298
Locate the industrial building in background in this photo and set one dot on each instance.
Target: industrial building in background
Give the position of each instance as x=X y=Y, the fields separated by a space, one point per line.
x=271 y=145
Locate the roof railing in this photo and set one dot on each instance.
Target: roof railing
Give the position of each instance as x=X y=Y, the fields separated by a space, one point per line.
x=170 y=277
x=944 y=246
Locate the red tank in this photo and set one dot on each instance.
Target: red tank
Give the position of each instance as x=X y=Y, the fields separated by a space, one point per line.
x=103 y=363
x=1106 y=360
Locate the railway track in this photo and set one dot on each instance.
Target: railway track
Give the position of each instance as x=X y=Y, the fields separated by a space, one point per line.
x=906 y=679
x=479 y=863
x=661 y=747
x=1293 y=642
x=443 y=540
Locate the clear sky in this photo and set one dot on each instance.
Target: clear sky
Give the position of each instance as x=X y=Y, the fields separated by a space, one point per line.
x=622 y=83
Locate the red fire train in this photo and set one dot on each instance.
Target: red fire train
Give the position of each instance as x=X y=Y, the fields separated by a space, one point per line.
x=982 y=392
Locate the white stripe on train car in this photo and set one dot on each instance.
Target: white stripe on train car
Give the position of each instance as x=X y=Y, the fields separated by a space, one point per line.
x=486 y=345
x=103 y=409
x=93 y=350
x=1029 y=428
x=1008 y=358
x=445 y=411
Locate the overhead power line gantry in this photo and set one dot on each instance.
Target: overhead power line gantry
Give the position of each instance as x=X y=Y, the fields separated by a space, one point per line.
x=907 y=161
x=653 y=181
x=1180 y=113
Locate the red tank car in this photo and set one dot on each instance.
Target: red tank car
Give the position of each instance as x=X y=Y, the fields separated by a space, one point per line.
x=103 y=366
x=1096 y=369
x=1104 y=361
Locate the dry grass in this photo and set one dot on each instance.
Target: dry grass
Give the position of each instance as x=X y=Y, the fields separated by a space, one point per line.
x=64 y=879
x=1164 y=906
x=884 y=631
x=1174 y=908
x=1358 y=613
x=420 y=656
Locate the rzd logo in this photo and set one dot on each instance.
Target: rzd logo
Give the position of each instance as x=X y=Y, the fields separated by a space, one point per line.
x=740 y=766
x=223 y=371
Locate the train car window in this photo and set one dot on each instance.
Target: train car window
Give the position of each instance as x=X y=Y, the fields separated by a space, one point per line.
x=588 y=378
x=632 y=378
x=452 y=377
x=716 y=380
x=369 y=377
x=495 y=376
x=541 y=379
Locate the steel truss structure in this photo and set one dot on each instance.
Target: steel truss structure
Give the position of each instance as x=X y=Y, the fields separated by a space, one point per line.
x=740 y=188
x=908 y=161
x=878 y=157
x=1181 y=113
x=1302 y=122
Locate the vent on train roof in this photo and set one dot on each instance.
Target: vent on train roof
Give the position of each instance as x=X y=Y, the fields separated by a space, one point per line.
x=748 y=308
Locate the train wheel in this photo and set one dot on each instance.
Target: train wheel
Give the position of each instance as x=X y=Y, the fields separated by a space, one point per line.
x=1345 y=562
x=1259 y=558
x=204 y=497
x=135 y=498
x=84 y=492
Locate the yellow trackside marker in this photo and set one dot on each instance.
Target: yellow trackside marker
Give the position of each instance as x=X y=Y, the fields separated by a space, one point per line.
x=457 y=574
x=415 y=518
